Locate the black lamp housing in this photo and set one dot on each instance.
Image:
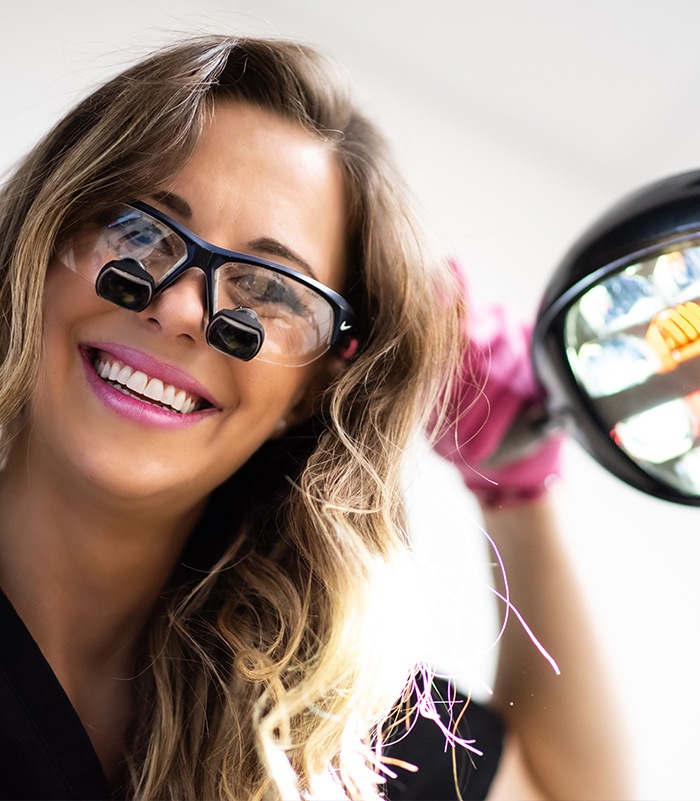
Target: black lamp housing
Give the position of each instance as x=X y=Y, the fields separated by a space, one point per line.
x=657 y=225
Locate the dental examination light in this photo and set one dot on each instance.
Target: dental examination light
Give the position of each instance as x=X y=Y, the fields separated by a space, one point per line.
x=617 y=340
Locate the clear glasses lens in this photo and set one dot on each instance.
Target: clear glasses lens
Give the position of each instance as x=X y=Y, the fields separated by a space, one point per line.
x=136 y=235
x=632 y=342
x=124 y=234
x=297 y=321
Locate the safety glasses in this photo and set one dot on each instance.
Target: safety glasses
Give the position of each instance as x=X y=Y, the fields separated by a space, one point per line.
x=257 y=308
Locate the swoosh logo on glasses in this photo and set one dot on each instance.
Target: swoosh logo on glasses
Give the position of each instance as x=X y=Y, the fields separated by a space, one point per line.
x=345 y=326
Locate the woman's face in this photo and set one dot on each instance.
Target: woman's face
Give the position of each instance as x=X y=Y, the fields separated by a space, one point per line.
x=257 y=184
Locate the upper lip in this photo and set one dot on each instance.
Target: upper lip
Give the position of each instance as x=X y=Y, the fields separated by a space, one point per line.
x=155 y=368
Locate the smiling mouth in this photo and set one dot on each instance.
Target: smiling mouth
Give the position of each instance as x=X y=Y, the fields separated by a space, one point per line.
x=143 y=387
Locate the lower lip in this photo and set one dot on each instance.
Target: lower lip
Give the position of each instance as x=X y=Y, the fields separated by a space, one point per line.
x=136 y=410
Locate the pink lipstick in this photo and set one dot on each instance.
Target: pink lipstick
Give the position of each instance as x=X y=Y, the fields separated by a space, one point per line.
x=143 y=389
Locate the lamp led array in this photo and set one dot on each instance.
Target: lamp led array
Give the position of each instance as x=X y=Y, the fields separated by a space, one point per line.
x=617 y=340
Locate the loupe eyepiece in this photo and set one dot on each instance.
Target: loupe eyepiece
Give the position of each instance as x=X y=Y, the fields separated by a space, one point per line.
x=126 y=283
x=236 y=332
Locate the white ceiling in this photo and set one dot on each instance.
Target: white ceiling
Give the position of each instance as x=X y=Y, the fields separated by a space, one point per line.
x=516 y=121
x=609 y=84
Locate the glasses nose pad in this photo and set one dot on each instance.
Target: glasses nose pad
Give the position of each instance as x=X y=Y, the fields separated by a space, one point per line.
x=236 y=332
x=126 y=283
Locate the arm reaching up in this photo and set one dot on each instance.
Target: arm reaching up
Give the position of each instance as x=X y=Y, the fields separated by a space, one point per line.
x=565 y=738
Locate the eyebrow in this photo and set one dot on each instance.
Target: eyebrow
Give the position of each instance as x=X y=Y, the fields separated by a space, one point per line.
x=273 y=247
x=263 y=245
x=175 y=203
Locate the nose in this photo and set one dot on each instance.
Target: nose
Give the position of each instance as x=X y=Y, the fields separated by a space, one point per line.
x=180 y=311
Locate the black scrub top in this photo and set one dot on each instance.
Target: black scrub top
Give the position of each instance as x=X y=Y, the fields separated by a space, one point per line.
x=442 y=769
x=45 y=753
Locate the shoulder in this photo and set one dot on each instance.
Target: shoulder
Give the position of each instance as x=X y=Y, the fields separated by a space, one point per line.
x=44 y=750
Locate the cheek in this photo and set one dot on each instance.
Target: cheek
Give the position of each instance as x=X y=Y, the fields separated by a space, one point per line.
x=65 y=299
x=272 y=393
x=68 y=297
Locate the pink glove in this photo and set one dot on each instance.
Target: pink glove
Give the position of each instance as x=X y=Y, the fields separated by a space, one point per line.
x=495 y=436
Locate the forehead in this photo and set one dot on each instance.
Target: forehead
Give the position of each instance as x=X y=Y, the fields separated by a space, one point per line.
x=255 y=175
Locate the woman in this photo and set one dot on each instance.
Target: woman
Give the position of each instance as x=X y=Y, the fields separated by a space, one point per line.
x=220 y=331
x=201 y=481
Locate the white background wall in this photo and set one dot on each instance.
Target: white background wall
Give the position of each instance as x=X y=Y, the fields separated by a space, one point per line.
x=516 y=123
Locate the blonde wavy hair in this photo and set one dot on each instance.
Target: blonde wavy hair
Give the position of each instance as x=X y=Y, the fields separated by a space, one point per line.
x=269 y=664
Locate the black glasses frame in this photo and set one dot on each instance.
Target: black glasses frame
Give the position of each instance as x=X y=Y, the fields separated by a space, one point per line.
x=207 y=257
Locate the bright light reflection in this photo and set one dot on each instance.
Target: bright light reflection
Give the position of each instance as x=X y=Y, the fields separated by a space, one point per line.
x=623 y=300
x=632 y=342
x=613 y=365
x=677 y=274
x=687 y=469
x=665 y=432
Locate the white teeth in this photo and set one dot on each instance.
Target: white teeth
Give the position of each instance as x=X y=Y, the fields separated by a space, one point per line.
x=168 y=395
x=154 y=389
x=179 y=400
x=138 y=382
